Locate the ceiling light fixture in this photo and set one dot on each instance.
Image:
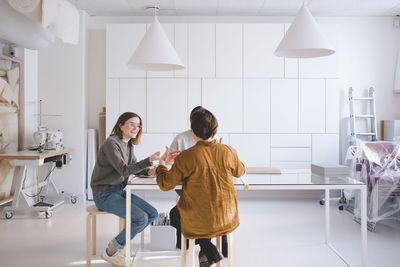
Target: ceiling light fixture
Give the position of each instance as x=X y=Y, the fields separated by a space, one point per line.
x=155 y=51
x=304 y=39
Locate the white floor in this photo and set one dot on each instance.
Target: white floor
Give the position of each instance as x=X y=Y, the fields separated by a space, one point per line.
x=272 y=232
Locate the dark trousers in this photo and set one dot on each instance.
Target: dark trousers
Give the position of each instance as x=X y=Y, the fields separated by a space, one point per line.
x=205 y=243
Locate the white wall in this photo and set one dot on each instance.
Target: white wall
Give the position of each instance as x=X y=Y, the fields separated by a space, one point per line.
x=62 y=87
x=364 y=60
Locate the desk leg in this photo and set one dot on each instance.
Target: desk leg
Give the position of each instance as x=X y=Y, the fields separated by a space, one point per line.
x=327 y=217
x=363 y=206
x=128 y=228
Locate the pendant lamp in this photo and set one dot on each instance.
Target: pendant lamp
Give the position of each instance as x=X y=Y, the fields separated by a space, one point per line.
x=304 y=38
x=155 y=52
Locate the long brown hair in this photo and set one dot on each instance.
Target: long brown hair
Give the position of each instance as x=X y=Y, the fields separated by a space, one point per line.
x=121 y=121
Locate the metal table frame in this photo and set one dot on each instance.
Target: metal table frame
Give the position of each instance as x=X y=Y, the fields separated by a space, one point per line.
x=151 y=185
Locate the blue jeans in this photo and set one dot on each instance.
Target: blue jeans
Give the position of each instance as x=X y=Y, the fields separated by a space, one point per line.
x=113 y=200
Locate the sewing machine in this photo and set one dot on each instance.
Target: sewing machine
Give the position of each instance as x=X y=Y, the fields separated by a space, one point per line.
x=48 y=140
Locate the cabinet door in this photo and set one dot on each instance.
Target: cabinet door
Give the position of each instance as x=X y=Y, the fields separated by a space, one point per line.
x=167 y=105
x=229 y=50
x=201 y=50
x=311 y=106
x=181 y=47
x=257 y=105
x=112 y=104
x=122 y=40
x=132 y=98
x=260 y=42
x=223 y=97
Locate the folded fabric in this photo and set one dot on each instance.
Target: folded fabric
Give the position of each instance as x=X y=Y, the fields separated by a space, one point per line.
x=2 y=73
x=61 y=18
x=14 y=99
x=3 y=84
x=7 y=94
x=29 y=8
x=13 y=76
x=5 y=64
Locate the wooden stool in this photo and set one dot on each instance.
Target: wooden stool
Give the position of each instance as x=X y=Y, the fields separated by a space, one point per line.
x=191 y=251
x=91 y=230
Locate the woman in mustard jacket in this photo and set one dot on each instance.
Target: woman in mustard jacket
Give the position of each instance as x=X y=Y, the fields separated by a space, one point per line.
x=208 y=204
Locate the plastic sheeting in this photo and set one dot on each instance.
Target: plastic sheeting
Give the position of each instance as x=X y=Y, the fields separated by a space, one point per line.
x=377 y=164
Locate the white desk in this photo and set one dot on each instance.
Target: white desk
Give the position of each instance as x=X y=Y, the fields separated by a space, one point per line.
x=31 y=160
x=288 y=180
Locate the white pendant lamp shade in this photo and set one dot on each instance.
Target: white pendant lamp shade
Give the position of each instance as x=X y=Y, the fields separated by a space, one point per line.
x=304 y=38
x=155 y=52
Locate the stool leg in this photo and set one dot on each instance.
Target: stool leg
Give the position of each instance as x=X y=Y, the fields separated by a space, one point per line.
x=191 y=253
x=121 y=224
x=230 y=250
x=219 y=248
x=88 y=240
x=183 y=251
x=94 y=235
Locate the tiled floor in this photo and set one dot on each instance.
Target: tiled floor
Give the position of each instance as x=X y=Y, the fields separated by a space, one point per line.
x=273 y=232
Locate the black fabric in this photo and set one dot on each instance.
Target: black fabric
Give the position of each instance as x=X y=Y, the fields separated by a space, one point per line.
x=211 y=251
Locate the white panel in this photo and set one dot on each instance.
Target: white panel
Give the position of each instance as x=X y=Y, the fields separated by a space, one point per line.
x=291 y=64
x=132 y=98
x=290 y=140
x=169 y=31
x=325 y=148
x=112 y=104
x=253 y=149
x=229 y=50
x=166 y=105
x=122 y=40
x=284 y=106
x=257 y=107
x=312 y=106
x=181 y=47
x=201 y=50
x=322 y=67
x=332 y=106
x=151 y=143
x=291 y=154
x=260 y=42
x=223 y=97
x=291 y=164
x=194 y=96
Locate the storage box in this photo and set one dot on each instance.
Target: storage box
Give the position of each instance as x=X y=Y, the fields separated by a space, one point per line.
x=162 y=237
x=329 y=169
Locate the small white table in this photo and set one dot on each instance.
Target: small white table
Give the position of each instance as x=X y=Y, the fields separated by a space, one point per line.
x=30 y=160
x=287 y=180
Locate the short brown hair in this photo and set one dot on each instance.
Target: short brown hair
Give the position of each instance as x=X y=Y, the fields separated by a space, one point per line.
x=194 y=110
x=121 y=121
x=204 y=124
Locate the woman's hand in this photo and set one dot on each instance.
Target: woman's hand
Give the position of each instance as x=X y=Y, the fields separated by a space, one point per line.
x=151 y=172
x=168 y=156
x=155 y=156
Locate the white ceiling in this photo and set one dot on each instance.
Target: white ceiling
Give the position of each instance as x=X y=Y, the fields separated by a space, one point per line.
x=239 y=7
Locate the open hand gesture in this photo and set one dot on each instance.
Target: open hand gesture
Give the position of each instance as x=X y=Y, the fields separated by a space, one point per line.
x=168 y=156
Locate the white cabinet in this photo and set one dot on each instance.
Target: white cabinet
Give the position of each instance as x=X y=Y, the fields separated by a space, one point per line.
x=290 y=154
x=253 y=149
x=284 y=106
x=223 y=97
x=201 y=41
x=325 y=148
x=257 y=106
x=122 y=40
x=290 y=140
x=112 y=104
x=260 y=42
x=229 y=50
x=311 y=106
x=332 y=105
x=167 y=105
x=132 y=98
x=181 y=47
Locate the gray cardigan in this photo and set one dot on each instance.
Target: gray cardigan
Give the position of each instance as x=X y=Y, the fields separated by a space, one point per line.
x=112 y=166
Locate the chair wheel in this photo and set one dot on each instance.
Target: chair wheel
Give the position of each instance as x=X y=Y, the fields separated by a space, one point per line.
x=341 y=207
x=9 y=215
x=322 y=202
x=48 y=214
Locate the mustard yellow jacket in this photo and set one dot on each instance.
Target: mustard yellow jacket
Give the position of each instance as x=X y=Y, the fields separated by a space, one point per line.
x=208 y=204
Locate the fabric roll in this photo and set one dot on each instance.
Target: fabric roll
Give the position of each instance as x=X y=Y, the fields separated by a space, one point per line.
x=29 y=8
